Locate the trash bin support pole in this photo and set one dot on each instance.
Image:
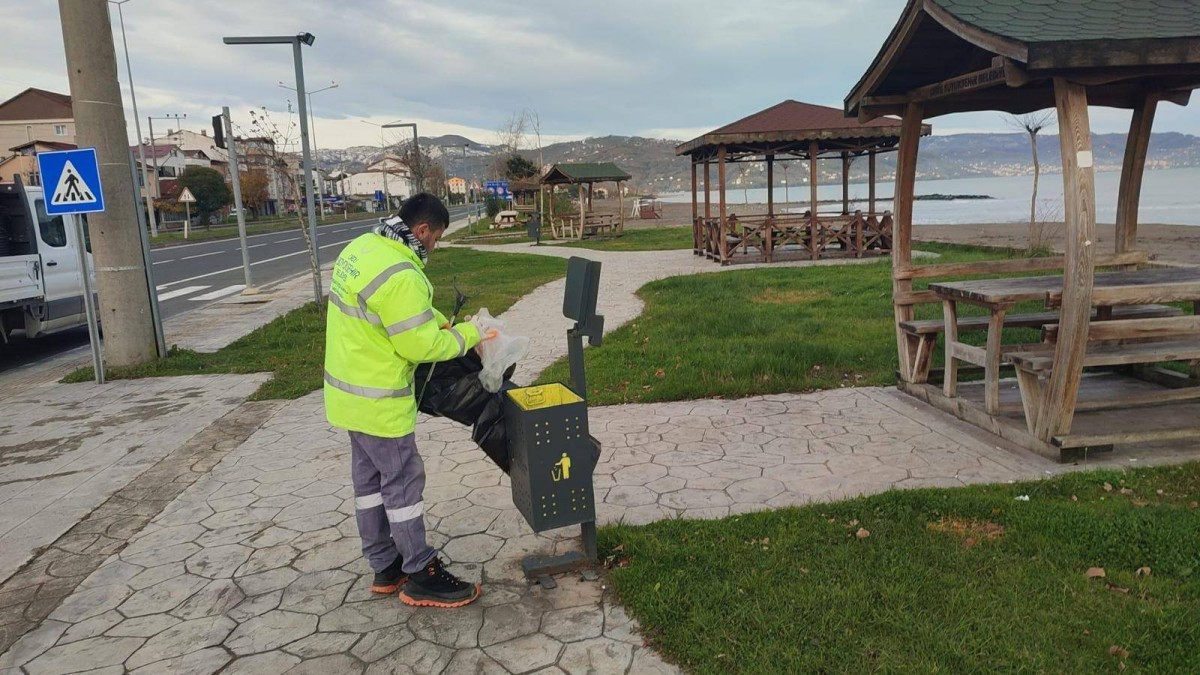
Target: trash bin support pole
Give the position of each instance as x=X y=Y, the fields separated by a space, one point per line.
x=588 y=532
x=575 y=358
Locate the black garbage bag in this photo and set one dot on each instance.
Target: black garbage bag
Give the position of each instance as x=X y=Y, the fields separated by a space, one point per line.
x=455 y=392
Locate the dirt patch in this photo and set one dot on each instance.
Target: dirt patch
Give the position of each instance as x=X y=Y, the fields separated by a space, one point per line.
x=775 y=296
x=970 y=531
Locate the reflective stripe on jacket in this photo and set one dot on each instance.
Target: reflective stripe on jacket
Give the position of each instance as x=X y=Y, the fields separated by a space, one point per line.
x=380 y=324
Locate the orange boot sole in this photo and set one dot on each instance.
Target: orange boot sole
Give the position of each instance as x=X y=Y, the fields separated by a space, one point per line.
x=404 y=597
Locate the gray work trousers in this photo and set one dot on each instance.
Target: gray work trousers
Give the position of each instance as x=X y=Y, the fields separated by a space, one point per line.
x=389 y=478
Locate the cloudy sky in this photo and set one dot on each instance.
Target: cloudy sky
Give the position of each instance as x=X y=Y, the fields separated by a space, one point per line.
x=661 y=68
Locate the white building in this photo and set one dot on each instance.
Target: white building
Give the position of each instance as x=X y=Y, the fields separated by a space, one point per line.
x=190 y=140
x=397 y=176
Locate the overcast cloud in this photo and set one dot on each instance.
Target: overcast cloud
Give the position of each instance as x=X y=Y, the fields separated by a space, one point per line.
x=664 y=69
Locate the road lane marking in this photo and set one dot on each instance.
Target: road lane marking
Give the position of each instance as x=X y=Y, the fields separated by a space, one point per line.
x=257 y=245
x=161 y=262
x=284 y=241
x=213 y=295
x=372 y=220
x=186 y=290
x=257 y=262
x=201 y=255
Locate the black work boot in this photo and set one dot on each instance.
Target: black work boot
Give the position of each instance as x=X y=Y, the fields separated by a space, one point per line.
x=390 y=579
x=435 y=587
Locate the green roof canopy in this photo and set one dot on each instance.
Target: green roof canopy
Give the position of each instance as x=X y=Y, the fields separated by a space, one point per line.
x=584 y=172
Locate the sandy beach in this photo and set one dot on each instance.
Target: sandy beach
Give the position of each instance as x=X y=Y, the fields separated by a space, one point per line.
x=1177 y=244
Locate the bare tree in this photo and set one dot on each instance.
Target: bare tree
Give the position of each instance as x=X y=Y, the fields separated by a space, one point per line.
x=509 y=137
x=1032 y=124
x=535 y=120
x=285 y=165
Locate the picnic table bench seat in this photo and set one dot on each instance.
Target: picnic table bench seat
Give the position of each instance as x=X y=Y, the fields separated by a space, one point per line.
x=1034 y=320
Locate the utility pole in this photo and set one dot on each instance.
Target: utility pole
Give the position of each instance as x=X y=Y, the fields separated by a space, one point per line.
x=100 y=123
x=231 y=141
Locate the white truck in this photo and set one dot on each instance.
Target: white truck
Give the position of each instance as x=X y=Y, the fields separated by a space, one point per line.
x=41 y=283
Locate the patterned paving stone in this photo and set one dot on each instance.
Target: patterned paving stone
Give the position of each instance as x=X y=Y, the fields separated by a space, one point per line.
x=473 y=662
x=202 y=662
x=574 y=623
x=317 y=593
x=180 y=639
x=596 y=656
x=415 y=657
x=270 y=631
x=381 y=642
x=270 y=663
x=527 y=653
x=93 y=653
x=459 y=629
x=164 y=596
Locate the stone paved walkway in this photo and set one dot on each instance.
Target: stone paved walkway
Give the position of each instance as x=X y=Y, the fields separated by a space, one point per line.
x=256 y=568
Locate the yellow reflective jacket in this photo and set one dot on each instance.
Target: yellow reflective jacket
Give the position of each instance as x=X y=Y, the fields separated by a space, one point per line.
x=381 y=323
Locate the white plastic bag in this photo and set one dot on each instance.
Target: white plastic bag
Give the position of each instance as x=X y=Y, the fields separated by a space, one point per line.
x=498 y=350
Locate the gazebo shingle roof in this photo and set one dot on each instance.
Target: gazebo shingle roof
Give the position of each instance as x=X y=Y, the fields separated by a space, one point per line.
x=584 y=172
x=792 y=122
x=1072 y=20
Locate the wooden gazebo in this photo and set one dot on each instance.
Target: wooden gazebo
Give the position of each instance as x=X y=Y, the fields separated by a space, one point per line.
x=588 y=220
x=525 y=194
x=1104 y=334
x=784 y=132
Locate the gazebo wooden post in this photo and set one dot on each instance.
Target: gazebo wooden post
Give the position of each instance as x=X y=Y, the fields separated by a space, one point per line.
x=1079 y=188
x=1130 y=192
x=553 y=230
x=707 y=245
x=845 y=183
x=620 y=210
x=695 y=213
x=583 y=209
x=768 y=233
x=871 y=182
x=770 y=184
x=724 y=238
x=906 y=171
x=813 y=225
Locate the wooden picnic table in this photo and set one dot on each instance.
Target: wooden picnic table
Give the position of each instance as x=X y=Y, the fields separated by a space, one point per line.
x=998 y=296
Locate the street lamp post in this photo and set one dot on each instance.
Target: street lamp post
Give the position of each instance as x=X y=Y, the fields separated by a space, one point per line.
x=312 y=123
x=296 y=41
x=420 y=187
x=137 y=121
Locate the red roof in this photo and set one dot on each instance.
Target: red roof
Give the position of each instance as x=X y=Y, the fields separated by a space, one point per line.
x=796 y=116
x=48 y=145
x=36 y=104
x=784 y=125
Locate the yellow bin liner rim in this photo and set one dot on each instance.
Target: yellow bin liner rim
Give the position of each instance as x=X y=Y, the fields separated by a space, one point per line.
x=543 y=396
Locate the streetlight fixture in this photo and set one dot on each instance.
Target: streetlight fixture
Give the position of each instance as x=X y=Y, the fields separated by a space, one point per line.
x=416 y=148
x=312 y=123
x=137 y=120
x=296 y=41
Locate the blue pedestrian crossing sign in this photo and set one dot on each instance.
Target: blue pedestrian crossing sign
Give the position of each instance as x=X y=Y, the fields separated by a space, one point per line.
x=74 y=177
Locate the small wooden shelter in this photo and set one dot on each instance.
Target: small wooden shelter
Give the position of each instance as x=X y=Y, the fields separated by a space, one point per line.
x=1104 y=334
x=784 y=132
x=588 y=220
x=525 y=194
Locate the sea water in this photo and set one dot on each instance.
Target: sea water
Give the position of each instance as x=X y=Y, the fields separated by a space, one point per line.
x=1170 y=196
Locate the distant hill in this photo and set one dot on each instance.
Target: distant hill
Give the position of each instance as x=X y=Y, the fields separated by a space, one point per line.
x=655 y=168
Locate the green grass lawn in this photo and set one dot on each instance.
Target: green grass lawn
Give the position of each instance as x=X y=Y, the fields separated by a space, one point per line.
x=641 y=239
x=293 y=346
x=967 y=580
x=763 y=331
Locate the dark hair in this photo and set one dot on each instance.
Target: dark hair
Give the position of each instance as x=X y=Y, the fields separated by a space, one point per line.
x=425 y=208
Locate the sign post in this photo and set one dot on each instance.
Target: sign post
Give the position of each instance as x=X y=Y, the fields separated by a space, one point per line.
x=187 y=200
x=76 y=177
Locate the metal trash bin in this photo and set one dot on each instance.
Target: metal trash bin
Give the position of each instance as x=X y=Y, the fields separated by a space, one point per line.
x=553 y=456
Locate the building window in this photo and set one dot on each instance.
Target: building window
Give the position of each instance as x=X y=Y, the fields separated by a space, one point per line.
x=60 y=130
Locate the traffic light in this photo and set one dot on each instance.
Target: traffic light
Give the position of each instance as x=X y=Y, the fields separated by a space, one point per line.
x=219 y=131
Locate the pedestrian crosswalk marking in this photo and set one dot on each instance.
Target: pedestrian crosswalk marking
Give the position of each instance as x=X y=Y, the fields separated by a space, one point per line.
x=179 y=292
x=228 y=290
x=71 y=188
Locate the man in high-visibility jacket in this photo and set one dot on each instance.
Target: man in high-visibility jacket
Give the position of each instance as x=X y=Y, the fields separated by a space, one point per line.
x=381 y=324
